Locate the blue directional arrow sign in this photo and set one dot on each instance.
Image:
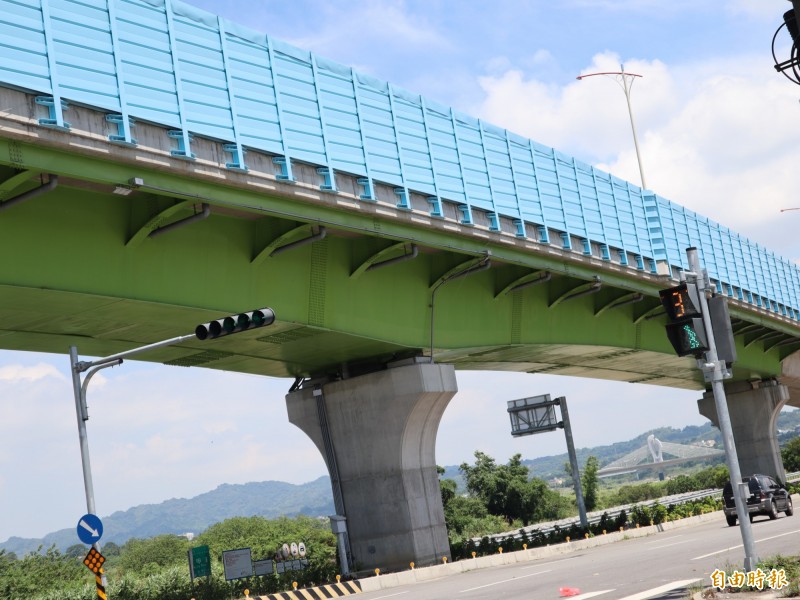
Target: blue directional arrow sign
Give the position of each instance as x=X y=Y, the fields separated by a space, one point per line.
x=90 y=529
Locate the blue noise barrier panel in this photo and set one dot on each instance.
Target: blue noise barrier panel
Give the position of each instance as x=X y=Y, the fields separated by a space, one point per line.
x=167 y=63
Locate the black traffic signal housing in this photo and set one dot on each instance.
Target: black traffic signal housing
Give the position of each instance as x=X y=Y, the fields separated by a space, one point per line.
x=685 y=329
x=235 y=324
x=790 y=18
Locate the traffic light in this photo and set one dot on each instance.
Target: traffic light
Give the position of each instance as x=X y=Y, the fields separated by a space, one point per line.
x=235 y=324
x=790 y=18
x=685 y=331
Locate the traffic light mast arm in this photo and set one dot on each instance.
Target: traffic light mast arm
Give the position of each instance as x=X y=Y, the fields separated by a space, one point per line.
x=85 y=366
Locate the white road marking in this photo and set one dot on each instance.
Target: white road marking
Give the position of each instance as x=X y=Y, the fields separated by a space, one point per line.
x=660 y=590
x=588 y=595
x=480 y=587
x=391 y=595
x=552 y=562
x=742 y=545
x=668 y=545
x=663 y=540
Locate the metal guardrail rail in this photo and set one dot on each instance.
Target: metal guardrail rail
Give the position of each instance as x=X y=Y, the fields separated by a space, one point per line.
x=612 y=513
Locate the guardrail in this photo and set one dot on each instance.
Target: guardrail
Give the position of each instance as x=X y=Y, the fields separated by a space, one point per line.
x=612 y=513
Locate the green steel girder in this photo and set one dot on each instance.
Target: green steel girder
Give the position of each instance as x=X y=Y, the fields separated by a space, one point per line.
x=527 y=280
x=618 y=301
x=13 y=181
x=76 y=280
x=392 y=254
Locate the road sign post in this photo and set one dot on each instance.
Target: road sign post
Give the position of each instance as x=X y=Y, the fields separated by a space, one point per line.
x=199 y=562
x=94 y=562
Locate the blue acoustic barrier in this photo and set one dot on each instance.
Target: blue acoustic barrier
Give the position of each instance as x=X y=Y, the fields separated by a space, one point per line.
x=168 y=63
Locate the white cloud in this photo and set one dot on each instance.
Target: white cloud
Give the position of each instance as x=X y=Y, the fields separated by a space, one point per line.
x=718 y=137
x=21 y=374
x=388 y=25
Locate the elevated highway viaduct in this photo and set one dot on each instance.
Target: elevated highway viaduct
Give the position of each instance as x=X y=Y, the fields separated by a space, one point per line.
x=381 y=290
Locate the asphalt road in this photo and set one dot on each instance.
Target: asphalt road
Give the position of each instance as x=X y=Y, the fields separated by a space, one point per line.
x=658 y=567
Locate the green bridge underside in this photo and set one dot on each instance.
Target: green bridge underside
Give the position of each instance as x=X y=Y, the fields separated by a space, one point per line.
x=78 y=268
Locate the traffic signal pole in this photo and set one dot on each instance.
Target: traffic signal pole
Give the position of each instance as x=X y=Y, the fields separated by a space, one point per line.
x=218 y=328
x=79 y=387
x=715 y=370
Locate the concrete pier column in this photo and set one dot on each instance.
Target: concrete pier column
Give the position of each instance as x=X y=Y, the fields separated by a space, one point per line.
x=753 y=409
x=383 y=431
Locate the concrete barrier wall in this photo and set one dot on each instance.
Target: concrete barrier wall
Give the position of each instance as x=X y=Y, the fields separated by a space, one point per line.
x=390 y=580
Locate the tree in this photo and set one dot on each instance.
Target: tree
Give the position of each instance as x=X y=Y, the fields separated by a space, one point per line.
x=791 y=455
x=77 y=551
x=264 y=536
x=506 y=491
x=680 y=485
x=466 y=516
x=589 y=483
x=111 y=549
x=40 y=572
x=141 y=556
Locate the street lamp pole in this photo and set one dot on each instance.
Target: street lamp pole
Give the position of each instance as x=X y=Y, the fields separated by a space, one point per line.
x=625 y=81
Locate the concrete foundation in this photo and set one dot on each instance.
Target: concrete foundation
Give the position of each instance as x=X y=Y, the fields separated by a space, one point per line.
x=383 y=431
x=753 y=409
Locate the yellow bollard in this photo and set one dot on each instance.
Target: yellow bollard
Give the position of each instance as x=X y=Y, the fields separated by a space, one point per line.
x=474 y=554
x=637 y=526
x=294 y=585
x=525 y=546
x=567 y=539
x=500 y=549
x=444 y=559
x=377 y=571
x=412 y=566
x=338 y=578
x=247 y=593
x=621 y=529
x=604 y=531
x=586 y=535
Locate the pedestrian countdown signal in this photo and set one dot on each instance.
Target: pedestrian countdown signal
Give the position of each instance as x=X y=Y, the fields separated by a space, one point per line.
x=685 y=331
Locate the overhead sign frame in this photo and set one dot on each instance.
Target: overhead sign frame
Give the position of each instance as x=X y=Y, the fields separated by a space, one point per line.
x=536 y=414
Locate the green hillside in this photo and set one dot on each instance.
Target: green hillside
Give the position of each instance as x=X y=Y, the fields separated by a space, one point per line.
x=272 y=499
x=268 y=499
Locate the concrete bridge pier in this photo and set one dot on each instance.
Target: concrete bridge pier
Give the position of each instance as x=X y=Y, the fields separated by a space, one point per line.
x=753 y=408
x=383 y=434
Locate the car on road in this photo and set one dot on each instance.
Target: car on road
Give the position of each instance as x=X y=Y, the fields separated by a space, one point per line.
x=766 y=497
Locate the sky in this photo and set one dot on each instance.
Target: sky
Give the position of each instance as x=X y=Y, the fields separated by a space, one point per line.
x=718 y=131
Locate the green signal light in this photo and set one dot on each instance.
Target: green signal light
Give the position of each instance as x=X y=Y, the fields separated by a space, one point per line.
x=691 y=337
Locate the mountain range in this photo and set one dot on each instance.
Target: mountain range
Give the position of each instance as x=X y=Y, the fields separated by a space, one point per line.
x=272 y=499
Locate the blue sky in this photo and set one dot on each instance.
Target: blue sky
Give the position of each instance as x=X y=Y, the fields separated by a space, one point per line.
x=718 y=130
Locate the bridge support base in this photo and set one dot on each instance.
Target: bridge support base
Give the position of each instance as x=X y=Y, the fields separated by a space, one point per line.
x=383 y=431
x=754 y=412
